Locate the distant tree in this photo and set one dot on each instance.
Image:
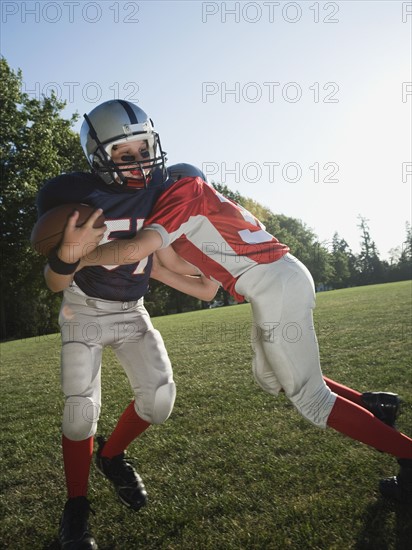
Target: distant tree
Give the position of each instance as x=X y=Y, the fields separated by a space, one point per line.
x=371 y=269
x=400 y=267
x=343 y=262
x=395 y=255
x=224 y=190
x=303 y=244
x=258 y=210
x=406 y=254
x=36 y=144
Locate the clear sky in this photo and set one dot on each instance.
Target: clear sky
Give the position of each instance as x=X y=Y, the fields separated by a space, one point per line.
x=303 y=106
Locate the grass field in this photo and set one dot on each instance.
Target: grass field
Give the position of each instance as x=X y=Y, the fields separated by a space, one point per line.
x=233 y=468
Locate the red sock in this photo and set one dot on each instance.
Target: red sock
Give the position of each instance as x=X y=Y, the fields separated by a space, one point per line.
x=344 y=391
x=358 y=423
x=130 y=425
x=77 y=456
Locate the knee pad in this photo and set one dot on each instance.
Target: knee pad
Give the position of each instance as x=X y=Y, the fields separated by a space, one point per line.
x=76 y=360
x=160 y=406
x=315 y=406
x=164 y=401
x=80 y=418
x=155 y=391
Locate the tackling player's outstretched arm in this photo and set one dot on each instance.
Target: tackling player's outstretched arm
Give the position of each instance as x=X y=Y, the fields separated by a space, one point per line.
x=168 y=258
x=169 y=268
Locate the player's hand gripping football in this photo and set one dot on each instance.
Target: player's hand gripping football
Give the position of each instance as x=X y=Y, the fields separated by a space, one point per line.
x=79 y=241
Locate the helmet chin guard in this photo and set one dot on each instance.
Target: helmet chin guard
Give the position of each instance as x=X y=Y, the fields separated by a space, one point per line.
x=113 y=123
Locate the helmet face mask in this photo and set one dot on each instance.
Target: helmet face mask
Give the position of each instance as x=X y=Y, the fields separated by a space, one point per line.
x=115 y=123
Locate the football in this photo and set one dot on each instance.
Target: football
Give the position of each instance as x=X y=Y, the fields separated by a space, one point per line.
x=48 y=230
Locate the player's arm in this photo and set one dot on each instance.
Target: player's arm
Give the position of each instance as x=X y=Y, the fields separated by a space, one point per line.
x=56 y=282
x=64 y=261
x=199 y=287
x=194 y=285
x=168 y=258
x=124 y=251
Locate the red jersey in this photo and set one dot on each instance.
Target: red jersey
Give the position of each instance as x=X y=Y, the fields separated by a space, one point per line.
x=213 y=233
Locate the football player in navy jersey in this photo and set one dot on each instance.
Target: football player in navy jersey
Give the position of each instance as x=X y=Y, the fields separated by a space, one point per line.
x=230 y=246
x=103 y=305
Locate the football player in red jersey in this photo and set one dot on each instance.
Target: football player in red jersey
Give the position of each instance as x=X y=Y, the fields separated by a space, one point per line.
x=232 y=248
x=103 y=306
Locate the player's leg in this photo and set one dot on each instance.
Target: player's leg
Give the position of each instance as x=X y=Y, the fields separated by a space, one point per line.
x=129 y=426
x=141 y=352
x=343 y=391
x=290 y=346
x=81 y=385
x=384 y=405
x=144 y=357
x=357 y=422
x=80 y=366
x=282 y=297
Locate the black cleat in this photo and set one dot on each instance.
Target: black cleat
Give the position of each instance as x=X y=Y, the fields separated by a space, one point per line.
x=127 y=482
x=384 y=406
x=399 y=487
x=74 y=531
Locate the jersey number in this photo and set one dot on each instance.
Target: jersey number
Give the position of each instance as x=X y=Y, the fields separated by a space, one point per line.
x=248 y=236
x=123 y=225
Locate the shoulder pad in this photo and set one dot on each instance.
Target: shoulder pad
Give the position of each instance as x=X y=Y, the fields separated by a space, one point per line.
x=66 y=188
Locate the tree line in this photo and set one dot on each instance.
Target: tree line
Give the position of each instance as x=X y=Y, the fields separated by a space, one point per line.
x=37 y=143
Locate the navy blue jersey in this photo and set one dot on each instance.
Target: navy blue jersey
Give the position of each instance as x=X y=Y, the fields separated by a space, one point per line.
x=125 y=211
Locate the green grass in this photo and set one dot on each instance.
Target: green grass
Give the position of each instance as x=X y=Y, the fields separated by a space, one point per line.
x=232 y=468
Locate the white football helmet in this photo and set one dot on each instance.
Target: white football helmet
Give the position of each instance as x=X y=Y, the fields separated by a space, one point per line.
x=115 y=122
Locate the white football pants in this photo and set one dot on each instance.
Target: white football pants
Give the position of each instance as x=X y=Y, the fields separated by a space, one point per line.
x=87 y=326
x=286 y=354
